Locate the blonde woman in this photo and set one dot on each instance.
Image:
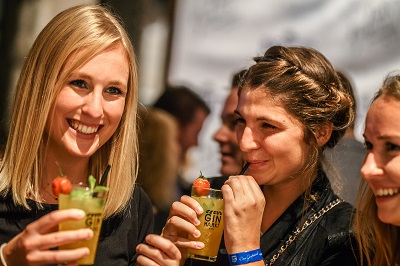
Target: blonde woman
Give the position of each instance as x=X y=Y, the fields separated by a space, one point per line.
x=377 y=222
x=75 y=108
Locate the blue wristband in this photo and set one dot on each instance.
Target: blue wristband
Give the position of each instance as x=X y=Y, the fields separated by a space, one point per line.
x=245 y=257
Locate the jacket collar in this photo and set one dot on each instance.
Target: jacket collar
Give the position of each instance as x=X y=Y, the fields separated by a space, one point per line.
x=297 y=213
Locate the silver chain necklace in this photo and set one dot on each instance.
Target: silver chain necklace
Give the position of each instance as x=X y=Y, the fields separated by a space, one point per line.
x=298 y=230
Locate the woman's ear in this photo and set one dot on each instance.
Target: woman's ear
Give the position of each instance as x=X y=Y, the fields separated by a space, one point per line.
x=323 y=133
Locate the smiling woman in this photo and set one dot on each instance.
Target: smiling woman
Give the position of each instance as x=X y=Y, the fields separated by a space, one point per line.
x=291 y=107
x=89 y=106
x=74 y=110
x=378 y=218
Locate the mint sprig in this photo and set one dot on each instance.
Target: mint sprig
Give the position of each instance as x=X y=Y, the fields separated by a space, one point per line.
x=93 y=187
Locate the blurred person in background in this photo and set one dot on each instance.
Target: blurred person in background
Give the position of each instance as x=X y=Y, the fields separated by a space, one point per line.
x=231 y=157
x=190 y=111
x=159 y=153
x=347 y=156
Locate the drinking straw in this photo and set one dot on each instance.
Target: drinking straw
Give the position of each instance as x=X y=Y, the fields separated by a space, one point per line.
x=244 y=168
x=104 y=176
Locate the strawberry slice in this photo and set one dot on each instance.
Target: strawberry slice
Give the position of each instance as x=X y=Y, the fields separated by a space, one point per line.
x=201 y=185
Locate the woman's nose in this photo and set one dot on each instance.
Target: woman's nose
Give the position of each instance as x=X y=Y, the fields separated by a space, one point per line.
x=94 y=104
x=247 y=140
x=371 y=167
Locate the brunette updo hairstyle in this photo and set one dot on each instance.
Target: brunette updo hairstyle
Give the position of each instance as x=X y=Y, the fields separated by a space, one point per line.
x=308 y=86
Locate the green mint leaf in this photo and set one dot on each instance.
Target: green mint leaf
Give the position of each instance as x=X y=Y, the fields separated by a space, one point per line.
x=101 y=188
x=92 y=182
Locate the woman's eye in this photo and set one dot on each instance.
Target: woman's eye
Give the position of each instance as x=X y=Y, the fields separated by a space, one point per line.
x=238 y=120
x=367 y=145
x=78 y=83
x=230 y=123
x=266 y=125
x=392 y=147
x=114 y=90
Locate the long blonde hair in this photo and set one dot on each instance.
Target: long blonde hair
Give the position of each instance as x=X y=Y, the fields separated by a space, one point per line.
x=377 y=240
x=91 y=28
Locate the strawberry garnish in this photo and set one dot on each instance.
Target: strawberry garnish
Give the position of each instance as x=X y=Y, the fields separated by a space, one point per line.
x=61 y=184
x=55 y=185
x=201 y=185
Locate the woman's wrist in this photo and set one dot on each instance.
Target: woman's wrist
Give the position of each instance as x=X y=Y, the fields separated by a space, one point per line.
x=245 y=257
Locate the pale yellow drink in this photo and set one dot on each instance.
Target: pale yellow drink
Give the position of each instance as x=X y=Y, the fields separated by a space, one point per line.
x=211 y=225
x=93 y=206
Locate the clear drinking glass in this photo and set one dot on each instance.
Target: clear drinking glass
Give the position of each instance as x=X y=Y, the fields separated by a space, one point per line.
x=92 y=203
x=211 y=223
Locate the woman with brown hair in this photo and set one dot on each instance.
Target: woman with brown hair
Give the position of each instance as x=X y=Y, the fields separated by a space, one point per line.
x=292 y=106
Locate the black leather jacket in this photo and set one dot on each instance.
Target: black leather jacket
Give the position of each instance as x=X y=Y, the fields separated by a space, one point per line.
x=328 y=240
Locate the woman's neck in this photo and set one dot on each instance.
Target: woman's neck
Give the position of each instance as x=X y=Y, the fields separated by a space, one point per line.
x=75 y=168
x=279 y=197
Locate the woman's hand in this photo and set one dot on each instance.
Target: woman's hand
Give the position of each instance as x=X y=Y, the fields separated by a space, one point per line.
x=159 y=251
x=32 y=246
x=182 y=221
x=243 y=211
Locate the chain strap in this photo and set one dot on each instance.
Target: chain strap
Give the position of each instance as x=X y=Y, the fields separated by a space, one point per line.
x=298 y=230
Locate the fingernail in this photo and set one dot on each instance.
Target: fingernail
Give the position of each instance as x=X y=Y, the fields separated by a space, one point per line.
x=196 y=233
x=199 y=209
x=89 y=233
x=199 y=245
x=87 y=251
x=79 y=213
x=196 y=221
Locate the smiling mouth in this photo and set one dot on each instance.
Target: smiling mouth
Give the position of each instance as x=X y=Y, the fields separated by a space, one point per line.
x=387 y=192
x=81 y=128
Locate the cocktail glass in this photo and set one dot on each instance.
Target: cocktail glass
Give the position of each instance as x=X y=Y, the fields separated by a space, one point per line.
x=211 y=223
x=92 y=203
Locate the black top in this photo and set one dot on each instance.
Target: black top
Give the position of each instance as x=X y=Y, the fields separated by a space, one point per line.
x=120 y=234
x=329 y=240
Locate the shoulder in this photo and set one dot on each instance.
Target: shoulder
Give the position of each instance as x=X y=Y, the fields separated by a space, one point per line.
x=139 y=194
x=341 y=214
x=337 y=223
x=334 y=241
x=139 y=205
x=140 y=199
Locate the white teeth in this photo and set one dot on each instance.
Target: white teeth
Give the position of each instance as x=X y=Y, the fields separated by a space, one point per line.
x=83 y=128
x=382 y=192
